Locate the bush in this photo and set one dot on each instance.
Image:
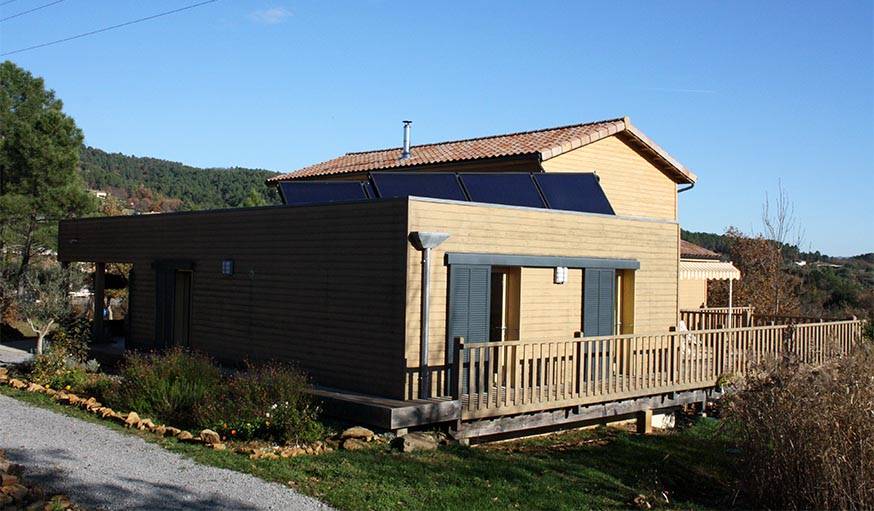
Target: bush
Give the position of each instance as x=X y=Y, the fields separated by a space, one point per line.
x=168 y=386
x=72 y=335
x=807 y=433
x=268 y=401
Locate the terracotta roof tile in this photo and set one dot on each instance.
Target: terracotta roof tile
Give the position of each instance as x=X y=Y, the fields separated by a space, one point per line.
x=548 y=143
x=692 y=251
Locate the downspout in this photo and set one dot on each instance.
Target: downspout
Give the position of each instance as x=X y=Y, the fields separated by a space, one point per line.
x=691 y=185
x=424 y=242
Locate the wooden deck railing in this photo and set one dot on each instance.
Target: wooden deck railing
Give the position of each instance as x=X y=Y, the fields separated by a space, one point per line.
x=503 y=378
x=717 y=317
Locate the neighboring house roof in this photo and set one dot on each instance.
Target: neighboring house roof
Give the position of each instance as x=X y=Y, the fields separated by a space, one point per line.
x=693 y=251
x=545 y=144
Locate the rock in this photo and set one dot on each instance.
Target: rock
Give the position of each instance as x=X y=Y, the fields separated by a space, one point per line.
x=8 y=480
x=354 y=444
x=210 y=437
x=35 y=387
x=291 y=452
x=218 y=446
x=59 y=502
x=132 y=419
x=105 y=412
x=159 y=430
x=171 y=431
x=15 y=383
x=414 y=442
x=184 y=436
x=146 y=424
x=4 y=374
x=51 y=392
x=357 y=432
x=18 y=492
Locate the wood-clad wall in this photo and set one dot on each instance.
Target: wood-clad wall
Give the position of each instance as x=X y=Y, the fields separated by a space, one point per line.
x=505 y=230
x=550 y=310
x=320 y=286
x=693 y=293
x=634 y=186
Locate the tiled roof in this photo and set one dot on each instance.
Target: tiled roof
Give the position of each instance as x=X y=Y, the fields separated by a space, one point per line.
x=693 y=251
x=548 y=143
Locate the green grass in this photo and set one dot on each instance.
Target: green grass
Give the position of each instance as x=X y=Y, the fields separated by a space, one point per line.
x=591 y=469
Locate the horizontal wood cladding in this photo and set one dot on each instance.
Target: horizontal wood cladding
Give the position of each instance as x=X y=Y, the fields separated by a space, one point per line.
x=634 y=186
x=547 y=310
x=321 y=286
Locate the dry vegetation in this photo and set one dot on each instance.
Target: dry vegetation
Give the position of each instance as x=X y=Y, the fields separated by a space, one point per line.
x=807 y=433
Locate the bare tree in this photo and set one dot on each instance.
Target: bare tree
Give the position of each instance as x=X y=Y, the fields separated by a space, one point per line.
x=784 y=230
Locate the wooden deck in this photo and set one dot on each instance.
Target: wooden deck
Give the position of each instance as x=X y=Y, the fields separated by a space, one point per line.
x=386 y=413
x=517 y=377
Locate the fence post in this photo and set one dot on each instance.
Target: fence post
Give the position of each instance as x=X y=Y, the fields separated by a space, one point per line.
x=673 y=366
x=459 y=367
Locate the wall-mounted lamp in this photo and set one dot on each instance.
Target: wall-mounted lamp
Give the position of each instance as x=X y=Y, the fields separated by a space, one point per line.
x=228 y=267
x=559 y=276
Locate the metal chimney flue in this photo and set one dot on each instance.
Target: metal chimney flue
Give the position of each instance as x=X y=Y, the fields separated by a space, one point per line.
x=405 y=154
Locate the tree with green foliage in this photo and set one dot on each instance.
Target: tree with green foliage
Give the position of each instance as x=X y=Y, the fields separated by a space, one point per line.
x=254 y=199
x=39 y=156
x=44 y=299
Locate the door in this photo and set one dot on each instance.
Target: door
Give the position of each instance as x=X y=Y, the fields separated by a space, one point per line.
x=172 y=307
x=469 y=300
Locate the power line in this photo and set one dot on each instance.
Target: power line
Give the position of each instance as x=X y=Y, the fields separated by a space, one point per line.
x=7 y=2
x=106 y=29
x=30 y=11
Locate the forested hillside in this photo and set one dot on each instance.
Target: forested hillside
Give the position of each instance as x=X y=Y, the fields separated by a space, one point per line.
x=150 y=184
x=831 y=286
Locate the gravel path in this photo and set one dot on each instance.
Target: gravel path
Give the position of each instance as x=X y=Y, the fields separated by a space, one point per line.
x=104 y=469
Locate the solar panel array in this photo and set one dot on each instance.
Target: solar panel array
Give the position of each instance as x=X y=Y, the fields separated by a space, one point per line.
x=569 y=191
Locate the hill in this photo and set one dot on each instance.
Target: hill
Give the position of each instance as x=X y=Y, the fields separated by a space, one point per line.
x=832 y=286
x=151 y=184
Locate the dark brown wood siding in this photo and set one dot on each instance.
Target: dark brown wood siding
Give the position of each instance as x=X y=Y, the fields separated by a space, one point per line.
x=321 y=286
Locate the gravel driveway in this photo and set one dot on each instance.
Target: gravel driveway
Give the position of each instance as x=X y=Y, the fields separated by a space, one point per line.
x=104 y=469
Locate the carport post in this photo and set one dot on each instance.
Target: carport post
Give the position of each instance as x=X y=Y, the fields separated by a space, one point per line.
x=99 y=283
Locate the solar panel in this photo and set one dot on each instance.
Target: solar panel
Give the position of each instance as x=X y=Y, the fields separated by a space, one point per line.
x=421 y=184
x=574 y=192
x=320 y=192
x=514 y=189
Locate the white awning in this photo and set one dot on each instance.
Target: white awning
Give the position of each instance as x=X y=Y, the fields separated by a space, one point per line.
x=707 y=270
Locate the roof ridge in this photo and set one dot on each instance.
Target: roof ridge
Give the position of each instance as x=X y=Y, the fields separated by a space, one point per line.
x=541 y=130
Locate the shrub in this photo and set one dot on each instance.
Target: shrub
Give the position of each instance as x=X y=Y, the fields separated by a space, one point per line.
x=268 y=401
x=807 y=433
x=72 y=335
x=169 y=386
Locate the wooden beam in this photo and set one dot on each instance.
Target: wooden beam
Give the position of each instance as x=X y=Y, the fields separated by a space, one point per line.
x=644 y=422
x=578 y=415
x=99 y=297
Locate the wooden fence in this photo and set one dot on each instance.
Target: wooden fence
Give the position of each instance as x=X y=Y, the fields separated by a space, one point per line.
x=510 y=377
x=717 y=317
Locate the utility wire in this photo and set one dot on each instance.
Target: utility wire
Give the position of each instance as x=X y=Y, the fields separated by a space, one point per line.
x=30 y=11
x=7 y=2
x=106 y=29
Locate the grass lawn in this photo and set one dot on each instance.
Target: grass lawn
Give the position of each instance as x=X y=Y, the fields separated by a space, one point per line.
x=605 y=468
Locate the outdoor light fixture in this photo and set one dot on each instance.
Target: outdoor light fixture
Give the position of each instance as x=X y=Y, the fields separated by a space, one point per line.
x=228 y=267
x=425 y=241
x=560 y=275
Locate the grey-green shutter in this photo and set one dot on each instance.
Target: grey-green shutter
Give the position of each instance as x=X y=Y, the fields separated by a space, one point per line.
x=598 y=302
x=469 y=297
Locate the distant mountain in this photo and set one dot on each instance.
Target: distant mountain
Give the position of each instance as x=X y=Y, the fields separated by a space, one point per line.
x=149 y=184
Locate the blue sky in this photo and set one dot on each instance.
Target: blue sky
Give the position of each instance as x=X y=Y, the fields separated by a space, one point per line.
x=743 y=93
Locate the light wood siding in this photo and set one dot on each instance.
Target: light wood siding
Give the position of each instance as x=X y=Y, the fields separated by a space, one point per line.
x=503 y=230
x=692 y=294
x=550 y=310
x=634 y=186
x=320 y=286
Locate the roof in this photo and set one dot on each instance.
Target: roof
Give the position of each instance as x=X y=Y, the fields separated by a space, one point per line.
x=545 y=144
x=708 y=270
x=693 y=251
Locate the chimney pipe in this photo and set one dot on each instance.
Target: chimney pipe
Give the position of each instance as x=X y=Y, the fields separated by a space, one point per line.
x=406 y=152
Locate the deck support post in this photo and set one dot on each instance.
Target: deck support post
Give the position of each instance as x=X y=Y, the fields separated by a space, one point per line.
x=644 y=422
x=99 y=297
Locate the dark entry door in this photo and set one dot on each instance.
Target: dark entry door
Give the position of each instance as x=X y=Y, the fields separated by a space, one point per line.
x=469 y=299
x=172 y=307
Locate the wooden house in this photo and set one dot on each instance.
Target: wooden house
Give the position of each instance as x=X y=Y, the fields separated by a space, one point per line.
x=521 y=300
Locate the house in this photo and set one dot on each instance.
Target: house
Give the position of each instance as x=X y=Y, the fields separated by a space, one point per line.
x=699 y=265
x=550 y=283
